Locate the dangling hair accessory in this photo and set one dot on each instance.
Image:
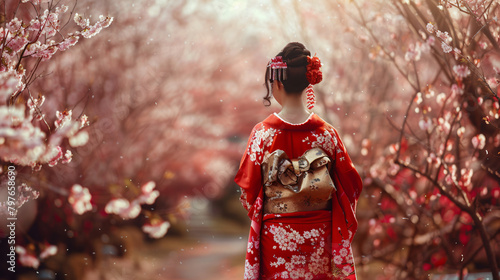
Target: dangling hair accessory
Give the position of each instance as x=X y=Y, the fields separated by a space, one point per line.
x=277 y=69
x=314 y=76
x=311 y=99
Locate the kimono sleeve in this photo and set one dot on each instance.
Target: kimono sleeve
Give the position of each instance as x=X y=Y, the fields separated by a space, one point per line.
x=346 y=173
x=249 y=177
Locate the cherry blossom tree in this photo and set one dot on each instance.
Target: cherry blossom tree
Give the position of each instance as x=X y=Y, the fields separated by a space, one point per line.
x=436 y=186
x=31 y=134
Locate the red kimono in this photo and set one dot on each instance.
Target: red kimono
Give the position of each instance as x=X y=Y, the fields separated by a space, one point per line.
x=302 y=244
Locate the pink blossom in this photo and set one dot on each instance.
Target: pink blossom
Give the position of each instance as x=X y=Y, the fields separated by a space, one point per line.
x=393 y=169
x=27 y=259
x=14 y=25
x=496 y=193
x=22 y=143
x=418 y=98
x=434 y=160
x=84 y=121
x=462 y=71
x=446 y=47
x=479 y=141
x=455 y=89
x=460 y=131
x=132 y=211
x=79 y=139
x=452 y=176
x=156 y=230
x=90 y=31
x=449 y=145
x=50 y=250
x=393 y=148
x=17 y=43
x=449 y=158
x=430 y=27
x=148 y=195
x=444 y=125
x=444 y=36
x=68 y=156
x=50 y=21
x=55 y=156
x=33 y=48
x=413 y=53
x=68 y=42
x=105 y=21
x=34 y=25
x=116 y=206
x=10 y=83
x=63 y=118
x=80 y=21
x=36 y=2
x=465 y=180
x=45 y=51
x=65 y=127
x=34 y=106
x=480 y=101
x=484 y=191
x=123 y=208
x=80 y=199
x=425 y=124
x=25 y=193
x=440 y=98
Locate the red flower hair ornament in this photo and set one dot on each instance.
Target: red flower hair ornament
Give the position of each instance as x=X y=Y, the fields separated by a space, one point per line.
x=314 y=76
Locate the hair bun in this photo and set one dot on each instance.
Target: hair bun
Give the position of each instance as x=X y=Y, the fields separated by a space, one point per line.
x=297 y=61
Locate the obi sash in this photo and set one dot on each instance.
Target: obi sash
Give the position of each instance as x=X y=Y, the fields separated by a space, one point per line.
x=294 y=185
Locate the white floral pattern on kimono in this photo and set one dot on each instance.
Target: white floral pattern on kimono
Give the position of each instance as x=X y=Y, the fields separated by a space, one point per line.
x=300 y=266
x=327 y=141
x=342 y=258
x=261 y=139
x=251 y=271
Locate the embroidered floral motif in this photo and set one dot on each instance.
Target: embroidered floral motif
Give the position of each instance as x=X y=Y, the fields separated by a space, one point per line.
x=251 y=271
x=261 y=138
x=299 y=265
x=327 y=141
x=253 y=244
x=244 y=201
x=343 y=261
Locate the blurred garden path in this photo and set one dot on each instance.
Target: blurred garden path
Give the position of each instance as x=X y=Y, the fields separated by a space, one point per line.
x=210 y=248
x=209 y=259
x=178 y=259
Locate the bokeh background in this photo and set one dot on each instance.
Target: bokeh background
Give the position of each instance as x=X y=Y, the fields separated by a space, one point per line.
x=172 y=89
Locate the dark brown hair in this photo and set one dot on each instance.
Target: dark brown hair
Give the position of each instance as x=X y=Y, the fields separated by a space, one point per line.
x=295 y=56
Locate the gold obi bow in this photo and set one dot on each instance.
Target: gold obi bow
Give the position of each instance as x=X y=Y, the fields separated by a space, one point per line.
x=292 y=185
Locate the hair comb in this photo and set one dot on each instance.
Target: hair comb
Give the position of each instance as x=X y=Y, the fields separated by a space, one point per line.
x=277 y=69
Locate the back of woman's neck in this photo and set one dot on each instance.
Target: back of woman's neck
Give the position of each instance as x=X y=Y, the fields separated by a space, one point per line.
x=294 y=115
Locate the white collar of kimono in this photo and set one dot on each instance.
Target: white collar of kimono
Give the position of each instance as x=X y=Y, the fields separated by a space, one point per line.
x=308 y=118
